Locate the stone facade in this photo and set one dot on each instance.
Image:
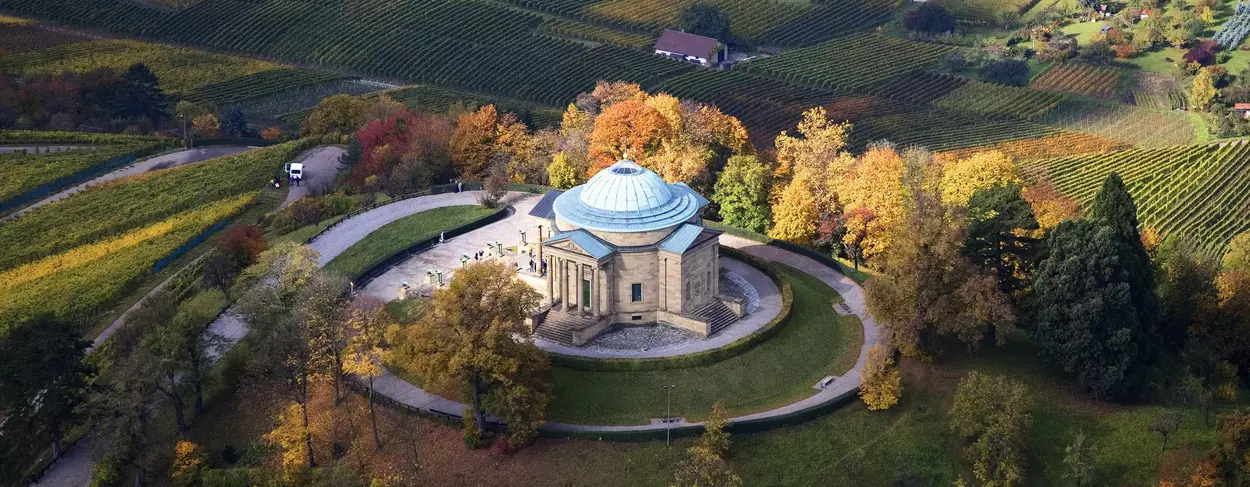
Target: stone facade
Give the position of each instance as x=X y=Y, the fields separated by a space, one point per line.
x=629 y=248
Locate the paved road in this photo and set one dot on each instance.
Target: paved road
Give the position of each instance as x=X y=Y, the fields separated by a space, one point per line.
x=321 y=165
x=167 y=160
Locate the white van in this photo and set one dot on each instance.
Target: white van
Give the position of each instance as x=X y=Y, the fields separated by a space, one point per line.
x=295 y=170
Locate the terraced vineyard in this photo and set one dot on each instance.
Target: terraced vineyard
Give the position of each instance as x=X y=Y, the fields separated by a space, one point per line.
x=595 y=33
x=765 y=106
x=1131 y=125
x=985 y=10
x=849 y=63
x=471 y=46
x=1197 y=192
x=1079 y=79
x=944 y=130
x=439 y=100
x=31 y=176
x=919 y=87
x=1048 y=147
x=259 y=85
x=15 y=38
x=296 y=103
x=1002 y=100
x=180 y=70
x=762 y=21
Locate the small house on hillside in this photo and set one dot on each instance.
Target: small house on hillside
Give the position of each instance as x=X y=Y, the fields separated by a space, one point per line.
x=691 y=48
x=1242 y=109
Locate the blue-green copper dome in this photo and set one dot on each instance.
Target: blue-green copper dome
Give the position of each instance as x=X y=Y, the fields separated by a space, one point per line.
x=627 y=197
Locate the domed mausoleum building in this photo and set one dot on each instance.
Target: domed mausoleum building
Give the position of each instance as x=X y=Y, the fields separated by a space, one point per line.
x=628 y=248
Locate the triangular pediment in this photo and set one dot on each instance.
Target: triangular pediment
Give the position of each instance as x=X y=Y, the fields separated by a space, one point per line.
x=569 y=246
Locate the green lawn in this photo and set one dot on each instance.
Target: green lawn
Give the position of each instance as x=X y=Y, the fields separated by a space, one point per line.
x=912 y=437
x=813 y=344
x=398 y=235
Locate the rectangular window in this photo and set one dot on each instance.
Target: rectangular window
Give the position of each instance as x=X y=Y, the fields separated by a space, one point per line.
x=635 y=292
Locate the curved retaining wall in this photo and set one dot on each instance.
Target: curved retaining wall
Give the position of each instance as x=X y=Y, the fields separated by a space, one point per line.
x=695 y=359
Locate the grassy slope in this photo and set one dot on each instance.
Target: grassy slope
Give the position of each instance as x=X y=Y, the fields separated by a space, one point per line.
x=813 y=344
x=913 y=437
x=400 y=234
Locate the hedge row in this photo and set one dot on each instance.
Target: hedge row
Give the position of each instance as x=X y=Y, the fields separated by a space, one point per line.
x=698 y=358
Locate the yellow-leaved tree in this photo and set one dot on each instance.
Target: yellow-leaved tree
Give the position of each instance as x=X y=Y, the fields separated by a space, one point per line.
x=880 y=386
x=794 y=214
x=962 y=177
x=872 y=189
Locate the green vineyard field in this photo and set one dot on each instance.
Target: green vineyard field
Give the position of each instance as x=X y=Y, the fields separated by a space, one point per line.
x=1138 y=126
x=471 y=46
x=849 y=63
x=918 y=87
x=768 y=22
x=439 y=100
x=179 y=70
x=765 y=106
x=259 y=85
x=1079 y=79
x=944 y=130
x=1002 y=100
x=1196 y=192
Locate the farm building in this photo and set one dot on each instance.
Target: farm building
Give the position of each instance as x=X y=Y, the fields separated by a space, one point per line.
x=1242 y=109
x=691 y=48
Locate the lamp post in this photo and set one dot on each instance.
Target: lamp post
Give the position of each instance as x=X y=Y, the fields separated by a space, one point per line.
x=183 y=117
x=668 y=416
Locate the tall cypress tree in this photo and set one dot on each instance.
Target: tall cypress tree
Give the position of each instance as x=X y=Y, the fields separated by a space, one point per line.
x=139 y=95
x=1096 y=311
x=995 y=216
x=1113 y=207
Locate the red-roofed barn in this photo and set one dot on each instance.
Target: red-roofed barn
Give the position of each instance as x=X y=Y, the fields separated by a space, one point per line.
x=691 y=48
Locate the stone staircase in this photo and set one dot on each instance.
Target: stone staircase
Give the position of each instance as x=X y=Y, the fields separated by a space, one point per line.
x=717 y=315
x=559 y=326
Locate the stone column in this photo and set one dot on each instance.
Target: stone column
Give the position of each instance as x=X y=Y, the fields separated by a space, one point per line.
x=594 y=290
x=539 y=244
x=551 y=286
x=577 y=286
x=663 y=291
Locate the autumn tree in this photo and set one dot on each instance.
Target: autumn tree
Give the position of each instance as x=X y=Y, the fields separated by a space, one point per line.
x=704 y=464
x=561 y=174
x=880 y=383
x=925 y=288
x=628 y=129
x=474 y=334
x=43 y=379
x=335 y=116
x=1000 y=223
x=235 y=251
x=188 y=464
x=1203 y=91
x=872 y=189
x=742 y=193
x=1188 y=296
x=1237 y=254
x=816 y=154
x=991 y=414
x=1231 y=450
x=964 y=177
x=794 y=213
x=283 y=279
x=364 y=354
x=1050 y=206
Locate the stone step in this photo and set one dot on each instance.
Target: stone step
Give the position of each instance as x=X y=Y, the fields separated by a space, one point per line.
x=717 y=315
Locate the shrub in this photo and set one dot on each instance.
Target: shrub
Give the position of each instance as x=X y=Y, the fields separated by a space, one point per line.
x=1012 y=72
x=929 y=18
